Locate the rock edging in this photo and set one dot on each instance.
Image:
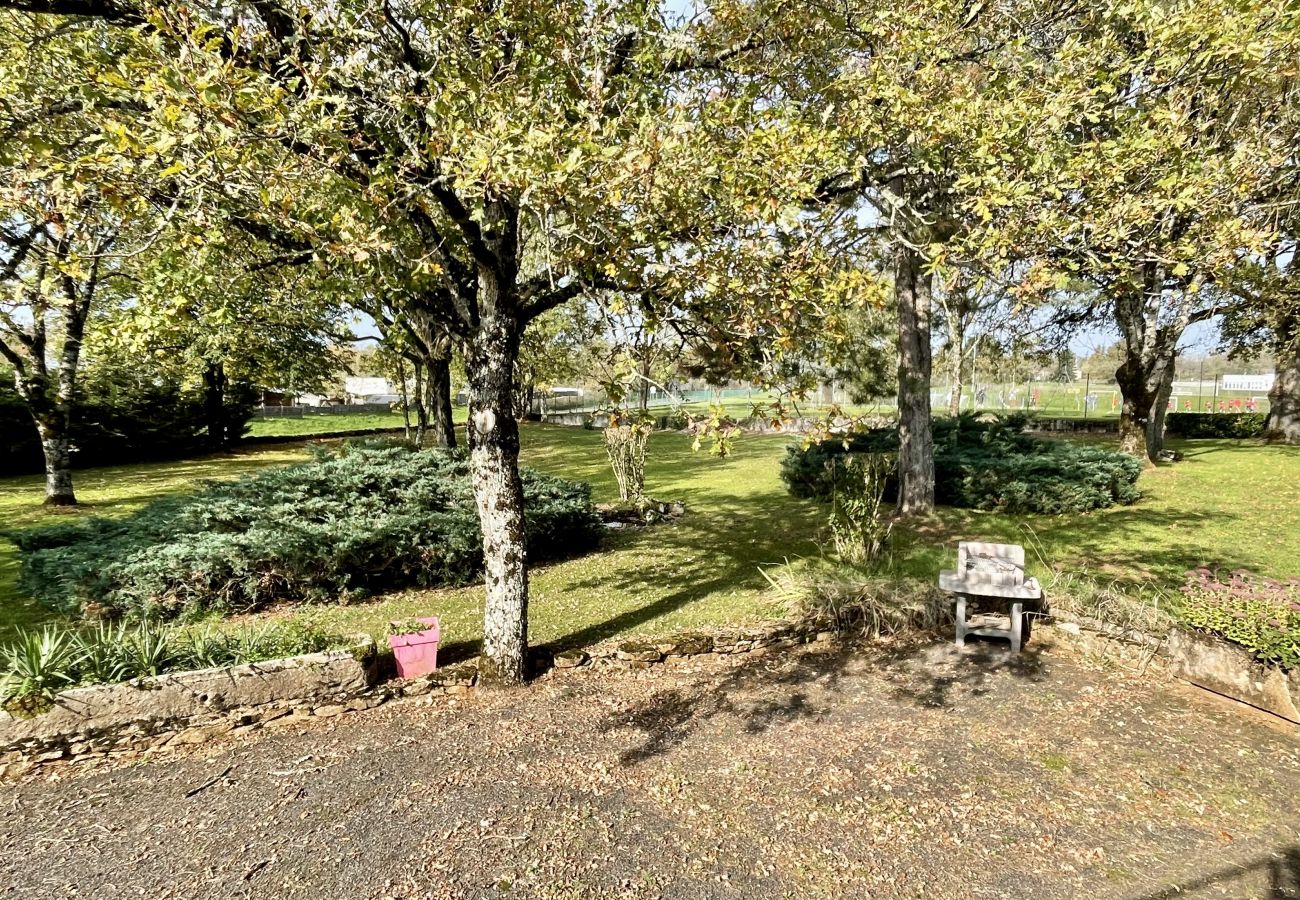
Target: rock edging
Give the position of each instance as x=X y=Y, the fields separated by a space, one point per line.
x=688 y=645
x=188 y=707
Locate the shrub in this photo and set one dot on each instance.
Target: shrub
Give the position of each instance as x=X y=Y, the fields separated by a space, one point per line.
x=625 y=446
x=986 y=462
x=36 y=667
x=1215 y=425
x=370 y=517
x=1260 y=614
x=41 y=663
x=859 y=524
x=843 y=599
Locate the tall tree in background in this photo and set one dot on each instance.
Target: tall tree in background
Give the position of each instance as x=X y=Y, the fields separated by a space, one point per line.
x=1139 y=173
x=920 y=97
x=72 y=216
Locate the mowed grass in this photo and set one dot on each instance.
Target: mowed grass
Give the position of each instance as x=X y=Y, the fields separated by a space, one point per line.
x=335 y=423
x=1229 y=504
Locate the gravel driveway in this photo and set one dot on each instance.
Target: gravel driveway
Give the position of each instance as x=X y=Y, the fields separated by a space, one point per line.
x=829 y=772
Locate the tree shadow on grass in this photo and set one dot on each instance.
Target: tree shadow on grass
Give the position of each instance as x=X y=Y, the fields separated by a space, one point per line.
x=763 y=693
x=708 y=554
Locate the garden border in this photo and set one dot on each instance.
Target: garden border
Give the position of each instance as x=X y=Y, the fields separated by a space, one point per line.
x=186 y=707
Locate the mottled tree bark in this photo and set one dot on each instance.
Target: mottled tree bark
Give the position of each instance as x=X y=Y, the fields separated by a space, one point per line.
x=493 y=435
x=57 y=447
x=916 y=442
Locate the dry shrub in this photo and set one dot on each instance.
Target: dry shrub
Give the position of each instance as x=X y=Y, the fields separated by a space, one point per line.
x=848 y=601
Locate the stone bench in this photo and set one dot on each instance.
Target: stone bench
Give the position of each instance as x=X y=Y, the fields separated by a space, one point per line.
x=991 y=572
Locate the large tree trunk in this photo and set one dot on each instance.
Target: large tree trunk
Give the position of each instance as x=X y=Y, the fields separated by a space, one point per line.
x=1137 y=398
x=916 y=442
x=493 y=436
x=1284 y=399
x=214 y=406
x=1151 y=322
x=439 y=400
x=57 y=447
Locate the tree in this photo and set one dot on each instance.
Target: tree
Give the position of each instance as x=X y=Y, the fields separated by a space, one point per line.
x=217 y=306
x=496 y=135
x=72 y=218
x=1270 y=318
x=558 y=349
x=918 y=98
x=1139 y=175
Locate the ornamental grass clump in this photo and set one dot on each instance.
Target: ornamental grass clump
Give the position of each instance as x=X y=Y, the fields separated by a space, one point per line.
x=859 y=522
x=1260 y=614
x=340 y=527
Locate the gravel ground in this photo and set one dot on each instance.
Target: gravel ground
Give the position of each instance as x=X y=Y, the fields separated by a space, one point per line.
x=924 y=772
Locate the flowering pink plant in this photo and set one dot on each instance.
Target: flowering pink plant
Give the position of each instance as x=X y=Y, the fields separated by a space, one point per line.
x=1260 y=614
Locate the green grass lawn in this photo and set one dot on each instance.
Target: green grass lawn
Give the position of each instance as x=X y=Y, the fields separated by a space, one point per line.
x=334 y=423
x=1229 y=503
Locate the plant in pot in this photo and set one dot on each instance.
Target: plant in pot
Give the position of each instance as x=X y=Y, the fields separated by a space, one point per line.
x=415 y=646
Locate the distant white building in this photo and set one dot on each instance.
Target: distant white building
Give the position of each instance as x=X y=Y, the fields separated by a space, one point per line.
x=370 y=390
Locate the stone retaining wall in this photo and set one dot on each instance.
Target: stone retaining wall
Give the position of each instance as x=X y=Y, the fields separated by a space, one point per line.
x=1232 y=671
x=186 y=707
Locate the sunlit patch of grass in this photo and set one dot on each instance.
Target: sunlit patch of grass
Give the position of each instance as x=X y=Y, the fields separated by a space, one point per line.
x=311 y=423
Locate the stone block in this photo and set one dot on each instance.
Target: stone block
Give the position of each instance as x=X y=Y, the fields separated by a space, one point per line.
x=1231 y=670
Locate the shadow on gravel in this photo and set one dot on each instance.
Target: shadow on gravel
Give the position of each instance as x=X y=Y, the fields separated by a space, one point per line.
x=1279 y=873
x=765 y=692
x=928 y=675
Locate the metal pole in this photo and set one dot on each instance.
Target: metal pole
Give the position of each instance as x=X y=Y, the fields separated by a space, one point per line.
x=1214 y=404
x=1087 y=390
x=1200 y=387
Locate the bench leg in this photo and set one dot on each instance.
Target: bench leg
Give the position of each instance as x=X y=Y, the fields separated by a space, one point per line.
x=961 y=620
x=1017 y=626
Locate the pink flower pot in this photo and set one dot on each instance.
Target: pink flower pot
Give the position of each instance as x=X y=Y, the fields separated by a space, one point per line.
x=416 y=653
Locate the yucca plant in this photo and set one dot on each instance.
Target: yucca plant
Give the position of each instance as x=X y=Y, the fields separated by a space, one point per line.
x=103 y=653
x=36 y=667
x=151 y=650
x=209 y=648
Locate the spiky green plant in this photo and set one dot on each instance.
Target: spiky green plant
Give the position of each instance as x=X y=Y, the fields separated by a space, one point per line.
x=103 y=655
x=36 y=667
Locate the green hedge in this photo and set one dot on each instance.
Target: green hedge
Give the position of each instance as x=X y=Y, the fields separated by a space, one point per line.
x=340 y=527
x=1215 y=425
x=987 y=462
